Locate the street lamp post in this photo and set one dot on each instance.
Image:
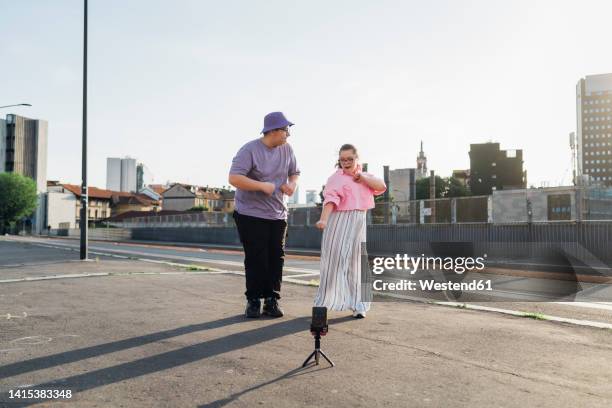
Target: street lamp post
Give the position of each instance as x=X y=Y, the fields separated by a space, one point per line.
x=84 y=196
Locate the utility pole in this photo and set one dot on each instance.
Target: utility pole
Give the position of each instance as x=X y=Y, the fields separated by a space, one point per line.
x=84 y=196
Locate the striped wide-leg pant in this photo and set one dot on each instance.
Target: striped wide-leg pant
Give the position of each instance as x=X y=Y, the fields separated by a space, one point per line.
x=340 y=287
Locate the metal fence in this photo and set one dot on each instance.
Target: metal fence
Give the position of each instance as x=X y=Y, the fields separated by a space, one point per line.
x=195 y=219
x=578 y=243
x=440 y=211
x=559 y=204
x=585 y=246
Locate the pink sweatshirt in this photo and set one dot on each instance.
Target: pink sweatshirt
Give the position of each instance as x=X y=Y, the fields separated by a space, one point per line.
x=347 y=194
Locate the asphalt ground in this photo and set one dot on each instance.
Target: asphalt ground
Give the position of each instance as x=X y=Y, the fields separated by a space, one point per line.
x=151 y=334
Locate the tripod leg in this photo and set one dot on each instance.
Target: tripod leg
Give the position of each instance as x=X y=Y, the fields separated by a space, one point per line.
x=308 y=359
x=317 y=356
x=325 y=357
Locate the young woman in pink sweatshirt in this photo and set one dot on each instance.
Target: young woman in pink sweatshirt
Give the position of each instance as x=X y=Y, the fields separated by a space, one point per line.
x=347 y=196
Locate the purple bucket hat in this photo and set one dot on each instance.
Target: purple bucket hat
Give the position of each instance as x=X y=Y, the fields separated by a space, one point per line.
x=275 y=120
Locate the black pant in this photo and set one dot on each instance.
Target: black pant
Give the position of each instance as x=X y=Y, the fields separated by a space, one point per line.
x=264 y=254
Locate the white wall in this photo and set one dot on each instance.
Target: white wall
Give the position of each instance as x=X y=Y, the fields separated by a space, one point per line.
x=511 y=205
x=61 y=209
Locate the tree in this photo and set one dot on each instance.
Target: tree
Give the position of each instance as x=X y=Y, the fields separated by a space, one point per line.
x=17 y=198
x=456 y=189
x=422 y=188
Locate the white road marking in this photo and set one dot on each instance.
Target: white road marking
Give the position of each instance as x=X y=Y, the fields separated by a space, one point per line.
x=590 y=305
x=169 y=256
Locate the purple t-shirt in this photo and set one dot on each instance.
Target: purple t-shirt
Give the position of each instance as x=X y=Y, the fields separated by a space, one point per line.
x=262 y=163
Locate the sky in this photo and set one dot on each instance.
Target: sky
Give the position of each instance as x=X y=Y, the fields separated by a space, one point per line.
x=180 y=85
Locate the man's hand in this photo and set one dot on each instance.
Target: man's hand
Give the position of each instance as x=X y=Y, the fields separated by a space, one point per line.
x=288 y=188
x=321 y=224
x=268 y=188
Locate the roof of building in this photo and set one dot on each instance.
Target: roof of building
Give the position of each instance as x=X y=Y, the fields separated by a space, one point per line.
x=210 y=193
x=94 y=192
x=133 y=199
x=158 y=188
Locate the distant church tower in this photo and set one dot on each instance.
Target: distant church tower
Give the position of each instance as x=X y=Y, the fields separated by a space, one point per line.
x=421 y=170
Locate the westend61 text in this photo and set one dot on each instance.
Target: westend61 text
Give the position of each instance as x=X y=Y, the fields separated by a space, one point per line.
x=430 y=284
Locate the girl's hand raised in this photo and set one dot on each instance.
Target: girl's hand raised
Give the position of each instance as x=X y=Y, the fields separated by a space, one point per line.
x=321 y=224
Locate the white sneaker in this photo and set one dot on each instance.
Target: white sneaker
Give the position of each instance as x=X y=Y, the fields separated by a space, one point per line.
x=359 y=315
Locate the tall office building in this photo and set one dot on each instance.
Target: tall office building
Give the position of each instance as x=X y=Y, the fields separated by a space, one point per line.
x=144 y=177
x=23 y=148
x=121 y=174
x=113 y=174
x=594 y=129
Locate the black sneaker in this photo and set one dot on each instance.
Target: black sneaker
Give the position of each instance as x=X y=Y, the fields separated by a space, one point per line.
x=271 y=308
x=253 y=308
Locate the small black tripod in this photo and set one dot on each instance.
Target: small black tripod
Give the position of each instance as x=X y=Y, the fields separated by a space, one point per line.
x=317 y=351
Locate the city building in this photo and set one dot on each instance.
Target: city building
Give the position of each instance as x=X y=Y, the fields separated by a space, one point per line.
x=402 y=184
x=421 y=169
x=133 y=202
x=182 y=197
x=593 y=141
x=121 y=174
x=311 y=196
x=228 y=200
x=150 y=192
x=59 y=207
x=159 y=188
x=24 y=148
x=144 y=177
x=98 y=201
x=494 y=169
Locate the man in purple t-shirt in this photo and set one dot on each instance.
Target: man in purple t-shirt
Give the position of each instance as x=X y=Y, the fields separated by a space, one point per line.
x=263 y=171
